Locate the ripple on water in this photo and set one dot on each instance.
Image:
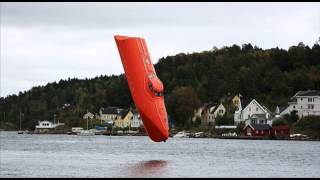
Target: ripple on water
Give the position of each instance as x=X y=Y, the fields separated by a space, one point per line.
x=130 y=156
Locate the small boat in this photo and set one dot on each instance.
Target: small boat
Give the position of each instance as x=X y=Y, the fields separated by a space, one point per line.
x=199 y=134
x=181 y=134
x=20 y=132
x=86 y=132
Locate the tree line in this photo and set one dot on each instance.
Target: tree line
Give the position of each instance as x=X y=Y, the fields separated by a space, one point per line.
x=271 y=76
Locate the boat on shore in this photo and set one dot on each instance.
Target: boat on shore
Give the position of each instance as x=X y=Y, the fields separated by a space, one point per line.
x=86 y=133
x=182 y=134
x=299 y=137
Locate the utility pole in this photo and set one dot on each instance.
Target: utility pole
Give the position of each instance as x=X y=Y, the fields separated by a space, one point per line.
x=20 y=119
x=54 y=122
x=87 y=123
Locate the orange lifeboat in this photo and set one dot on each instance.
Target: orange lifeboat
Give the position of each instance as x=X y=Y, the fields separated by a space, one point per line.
x=145 y=87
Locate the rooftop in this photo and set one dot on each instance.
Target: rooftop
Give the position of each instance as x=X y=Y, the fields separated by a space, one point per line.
x=308 y=93
x=110 y=110
x=259 y=126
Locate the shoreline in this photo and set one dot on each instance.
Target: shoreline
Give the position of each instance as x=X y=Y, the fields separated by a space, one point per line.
x=211 y=137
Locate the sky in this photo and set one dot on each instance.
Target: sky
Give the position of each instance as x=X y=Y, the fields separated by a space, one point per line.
x=43 y=42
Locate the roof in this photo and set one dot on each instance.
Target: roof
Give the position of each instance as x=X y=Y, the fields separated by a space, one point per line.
x=262 y=107
x=123 y=113
x=282 y=108
x=88 y=113
x=135 y=111
x=206 y=106
x=265 y=108
x=308 y=93
x=259 y=126
x=110 y=110
x=215 y=107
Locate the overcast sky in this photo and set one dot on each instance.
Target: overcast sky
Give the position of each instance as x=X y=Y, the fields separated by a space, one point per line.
x=46 y=42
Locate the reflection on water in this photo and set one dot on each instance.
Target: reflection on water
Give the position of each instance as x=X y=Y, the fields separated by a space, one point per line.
x=147 y=168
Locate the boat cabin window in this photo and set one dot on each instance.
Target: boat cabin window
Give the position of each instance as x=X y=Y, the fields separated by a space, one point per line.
x=155 y=85
x=154 y=91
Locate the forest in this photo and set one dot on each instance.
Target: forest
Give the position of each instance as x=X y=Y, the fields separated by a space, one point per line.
x=271 y=76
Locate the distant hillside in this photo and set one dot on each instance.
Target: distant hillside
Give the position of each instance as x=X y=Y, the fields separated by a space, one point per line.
x=271 y=76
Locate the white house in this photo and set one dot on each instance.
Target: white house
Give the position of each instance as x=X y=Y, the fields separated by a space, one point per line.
x=305 y=103
x=253 y=113
x=88 y=115
x=136 y=121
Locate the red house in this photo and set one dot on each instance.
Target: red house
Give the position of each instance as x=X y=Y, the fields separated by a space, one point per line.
x=281 y=130
x=257 y=130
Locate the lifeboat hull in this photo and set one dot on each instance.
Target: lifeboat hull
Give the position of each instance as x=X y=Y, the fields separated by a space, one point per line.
x=145 y=88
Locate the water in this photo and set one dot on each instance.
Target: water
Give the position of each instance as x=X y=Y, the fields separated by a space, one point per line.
x=137 y=156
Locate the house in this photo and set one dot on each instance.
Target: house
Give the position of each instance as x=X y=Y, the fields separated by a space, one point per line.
x=208 y=112
x=136 y=120
x=123 y=119
x=253 y=113
x=281 y=130
x=236 y=101
x=88 y=115
x=109 y=114
x=211 y=112
x=305 y=103
x=197 y=113
x=46 y=126
x=257 y=130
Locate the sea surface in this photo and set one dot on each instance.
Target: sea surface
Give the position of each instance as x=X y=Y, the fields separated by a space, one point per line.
x=40 y=155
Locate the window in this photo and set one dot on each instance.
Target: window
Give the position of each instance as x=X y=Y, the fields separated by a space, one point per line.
x=256 y=109
x=294 y=106
x=301 y=99
x=249 y=108
x=309 y=99
x=156 y=93
x=220 y=111
x=310 y=106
